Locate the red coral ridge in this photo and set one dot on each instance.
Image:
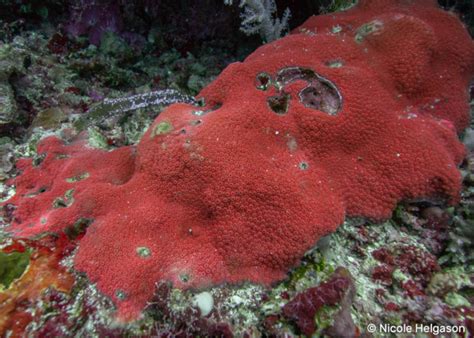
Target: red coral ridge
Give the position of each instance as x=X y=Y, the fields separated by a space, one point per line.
x=309 y=129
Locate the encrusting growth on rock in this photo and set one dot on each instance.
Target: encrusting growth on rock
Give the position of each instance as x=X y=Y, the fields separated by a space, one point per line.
x=322 y=124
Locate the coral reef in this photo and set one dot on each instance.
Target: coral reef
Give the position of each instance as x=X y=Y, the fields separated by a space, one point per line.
x=51 y=82
x=202 y=198
x=334 y=125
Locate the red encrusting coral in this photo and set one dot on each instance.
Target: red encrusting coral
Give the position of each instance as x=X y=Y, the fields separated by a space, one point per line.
x=309 y=129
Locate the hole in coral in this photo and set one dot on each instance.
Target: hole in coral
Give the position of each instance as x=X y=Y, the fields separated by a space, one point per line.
x=143 y=251
x=207 y=111
x=291 y=74
x=120 y=294
x=77 y=229
x=37 y=160
x=195 y=122
x=78 y=178
x=201 y=102
x=311 y=98
x=217 y=106
x=182 y=131
x=367 y=29
x=59 y=203
x=64 y=202
x=199 y=112
x=303 y=165
x=334 y=64
x=263 y=81
x=279 y=103
x=336 y=29
x=320 y=93
x=321 y=97
x=37 y=192
x=184 y=277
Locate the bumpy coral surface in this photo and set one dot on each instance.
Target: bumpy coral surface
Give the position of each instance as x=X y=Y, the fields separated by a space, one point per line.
x=313 y=127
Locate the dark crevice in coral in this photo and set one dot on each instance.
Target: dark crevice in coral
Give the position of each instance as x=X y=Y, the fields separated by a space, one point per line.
x=78 y=229
x=279 y=103
x=321 y=96
x=38 y=159
x=263 y=81
x=320 y=93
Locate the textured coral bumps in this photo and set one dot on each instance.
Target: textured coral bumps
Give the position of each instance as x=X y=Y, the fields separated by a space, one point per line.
x=345 y=117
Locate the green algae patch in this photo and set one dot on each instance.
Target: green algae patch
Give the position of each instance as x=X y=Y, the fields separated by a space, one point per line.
x=315 y=264
x=161 y=128
x=12 y=266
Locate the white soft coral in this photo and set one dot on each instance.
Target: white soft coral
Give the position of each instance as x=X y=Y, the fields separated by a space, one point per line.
x=259 y=17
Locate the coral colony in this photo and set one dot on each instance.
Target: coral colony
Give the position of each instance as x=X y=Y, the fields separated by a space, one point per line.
x=345 y=117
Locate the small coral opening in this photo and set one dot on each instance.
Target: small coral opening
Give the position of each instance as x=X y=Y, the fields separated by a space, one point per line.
x=143 y=251
x=303 y=165
x=263 y=81
x=120 y=294
x=279 y=103
x=184 y=277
